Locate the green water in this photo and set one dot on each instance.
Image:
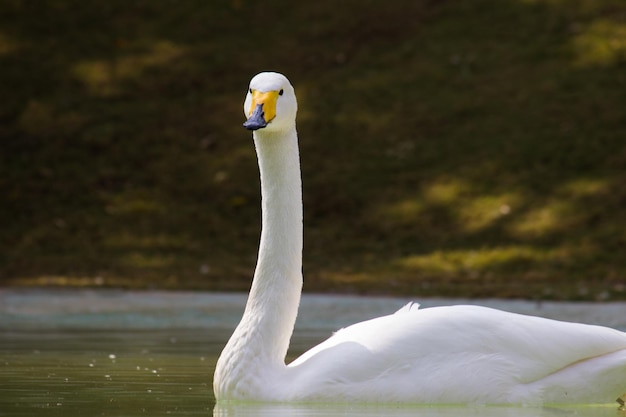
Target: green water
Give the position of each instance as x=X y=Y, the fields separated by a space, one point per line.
x=106 y=374
x=153 y=354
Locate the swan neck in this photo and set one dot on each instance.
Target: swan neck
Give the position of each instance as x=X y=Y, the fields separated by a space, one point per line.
x=274 y=297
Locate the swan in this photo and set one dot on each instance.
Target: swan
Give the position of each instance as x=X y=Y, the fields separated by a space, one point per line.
x=455 y=355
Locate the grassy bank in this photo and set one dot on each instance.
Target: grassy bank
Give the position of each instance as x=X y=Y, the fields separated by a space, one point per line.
x=470 y=148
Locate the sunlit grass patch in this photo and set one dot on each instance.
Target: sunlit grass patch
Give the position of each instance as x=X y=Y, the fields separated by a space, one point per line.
x=477 y=260
x=136 y=203
x=103 y=76
x=482 y=211
x=60 y=280
x=544 y=220
x=126 y=240
x=443 y=193
x=470 y=210
x=446 y=191
x=585 y=187
x=602 y=43
x=148 y=261
x=404 y=211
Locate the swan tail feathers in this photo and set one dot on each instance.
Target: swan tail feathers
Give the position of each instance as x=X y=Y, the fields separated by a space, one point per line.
x=411 y=306
x=605 y=376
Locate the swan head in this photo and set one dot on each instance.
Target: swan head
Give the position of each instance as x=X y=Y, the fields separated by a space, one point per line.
x=270 y=103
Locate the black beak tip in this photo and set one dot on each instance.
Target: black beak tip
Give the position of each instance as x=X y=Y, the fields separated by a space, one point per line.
x=254 y=124
x=256 y=120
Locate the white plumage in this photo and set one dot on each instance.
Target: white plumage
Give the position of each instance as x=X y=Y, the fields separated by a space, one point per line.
x=451 y=355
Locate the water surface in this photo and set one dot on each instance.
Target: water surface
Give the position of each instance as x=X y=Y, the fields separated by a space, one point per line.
x=124 y=353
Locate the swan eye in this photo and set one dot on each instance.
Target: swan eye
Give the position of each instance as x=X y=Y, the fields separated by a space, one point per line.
x=250 y=91
x=280 y=93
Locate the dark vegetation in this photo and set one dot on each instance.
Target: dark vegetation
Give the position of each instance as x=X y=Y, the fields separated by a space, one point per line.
x=449 y=147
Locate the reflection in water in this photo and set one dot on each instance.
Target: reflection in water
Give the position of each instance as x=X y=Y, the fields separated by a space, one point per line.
x=310 y=410
x=116 y=353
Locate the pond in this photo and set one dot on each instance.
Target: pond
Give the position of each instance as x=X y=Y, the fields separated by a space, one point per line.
x=128 y=353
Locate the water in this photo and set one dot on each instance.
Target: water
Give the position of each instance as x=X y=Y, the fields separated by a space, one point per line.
x=118 y=353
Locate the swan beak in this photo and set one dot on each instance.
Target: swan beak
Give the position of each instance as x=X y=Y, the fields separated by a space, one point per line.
x=262 y=109
x=256 y=119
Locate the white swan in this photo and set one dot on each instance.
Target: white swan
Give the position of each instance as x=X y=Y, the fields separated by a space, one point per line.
x=459 y=354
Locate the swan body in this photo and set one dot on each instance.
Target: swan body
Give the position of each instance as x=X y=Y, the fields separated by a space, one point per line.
x=457 y=354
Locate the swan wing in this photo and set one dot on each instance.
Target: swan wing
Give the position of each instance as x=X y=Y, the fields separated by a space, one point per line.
x=451 y=354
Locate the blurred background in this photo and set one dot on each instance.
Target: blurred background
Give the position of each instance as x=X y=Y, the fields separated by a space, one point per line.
x=469 y=148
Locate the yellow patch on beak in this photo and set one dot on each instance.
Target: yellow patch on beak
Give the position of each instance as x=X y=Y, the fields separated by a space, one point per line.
x=268 y=100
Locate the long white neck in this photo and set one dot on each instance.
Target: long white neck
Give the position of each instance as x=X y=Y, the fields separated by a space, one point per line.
x=260 y=342
x=275 y=294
